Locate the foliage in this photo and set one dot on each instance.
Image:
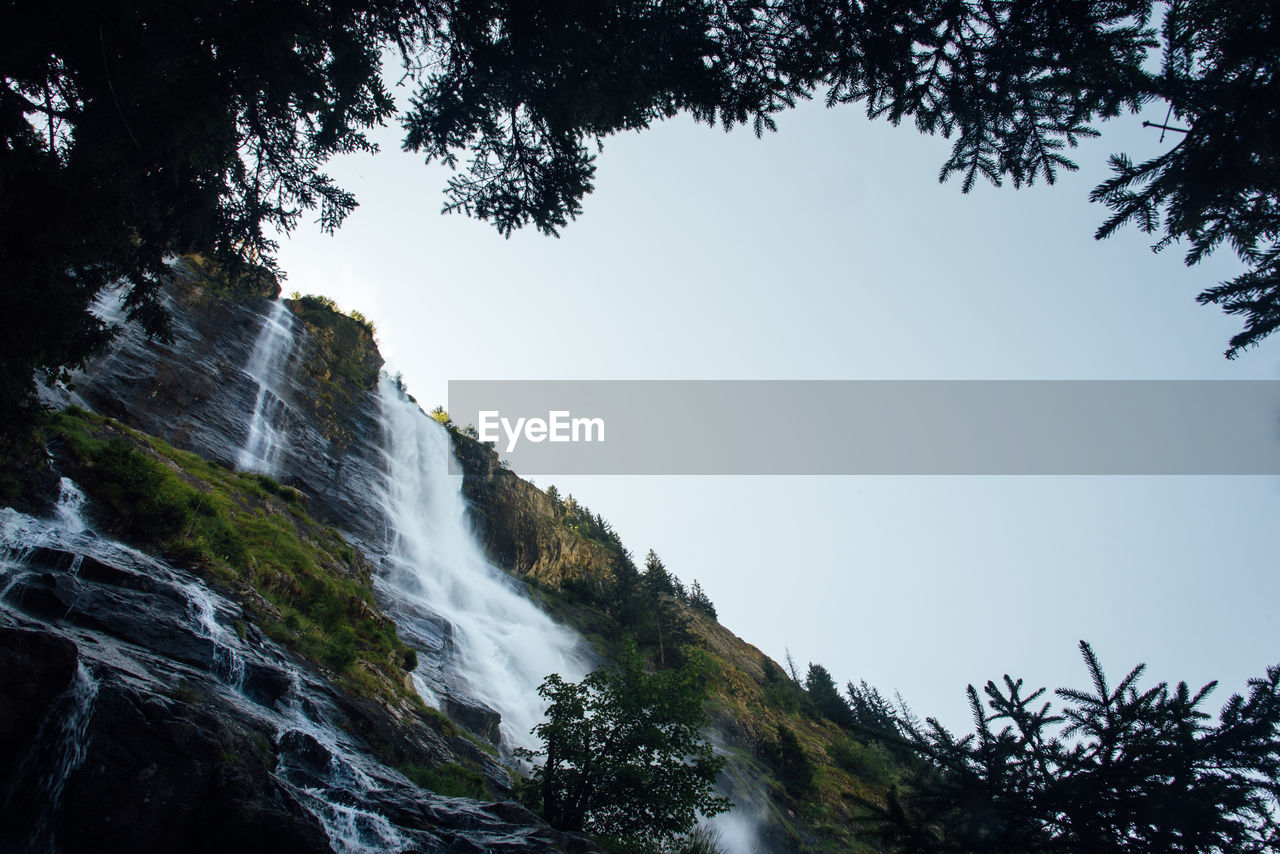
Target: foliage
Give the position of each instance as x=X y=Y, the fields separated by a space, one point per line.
x=787 y=758
x=451 y=780
x=650 y=606
x=1017 y=84
x=439 y=414
x=622 y=756
x=780 y=691
x=869 y=761
x=135 y=131
x=1220 y=180
x=699 y=600
x=703 y=839
x=871 y=711
x=346 y=361
x=824 y=697
x=1121 y=768
x=237 y=528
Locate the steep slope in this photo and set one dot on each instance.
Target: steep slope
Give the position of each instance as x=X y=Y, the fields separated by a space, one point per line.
x=796 y=776
x=313 y=582
x=198 y=658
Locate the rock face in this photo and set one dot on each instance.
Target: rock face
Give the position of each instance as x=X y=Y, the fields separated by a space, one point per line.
x=517 y=522
x=196 y=393
x=140 y=711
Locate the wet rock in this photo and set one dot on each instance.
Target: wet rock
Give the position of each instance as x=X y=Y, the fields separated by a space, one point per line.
x=304 y=751
x=475 y=716
x=196 y=394
x=165 y=776
x=151 y=620
x=265 y=685
x=35 y=667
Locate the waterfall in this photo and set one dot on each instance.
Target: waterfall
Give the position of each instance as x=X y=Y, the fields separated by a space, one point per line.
x=226 y=664
x=266 y=442
x=319 y=763
x=503 y=644
x=57 y=750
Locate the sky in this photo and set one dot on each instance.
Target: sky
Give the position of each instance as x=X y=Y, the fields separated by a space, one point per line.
x=829 y=251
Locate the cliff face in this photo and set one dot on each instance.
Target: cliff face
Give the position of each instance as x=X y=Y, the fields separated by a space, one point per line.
x=804 y=800
x=195 y=393
x=198 y=658
x=238 y=674
x=518 y=525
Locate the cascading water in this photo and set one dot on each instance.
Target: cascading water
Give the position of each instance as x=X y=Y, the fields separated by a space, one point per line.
x=146 y=633
x=503 y=645
x=266 y=441
x=227 y=664
x=58 y=749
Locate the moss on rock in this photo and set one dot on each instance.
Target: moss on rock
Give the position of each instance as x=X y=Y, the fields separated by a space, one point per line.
x=302 y=582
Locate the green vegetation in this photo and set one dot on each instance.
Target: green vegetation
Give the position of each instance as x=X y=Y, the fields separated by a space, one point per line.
x=1122 y=769
x=649 y=606
x=814 y=800
x=452 y=780
x=131 y=137
x=243 y=531
x=233 y=279
x=346 y=340
x=344 y=363
x=622 y=756
x=788 y=760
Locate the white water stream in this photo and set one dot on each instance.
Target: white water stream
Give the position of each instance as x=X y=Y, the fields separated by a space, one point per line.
x=267 y=441
x=504 y=645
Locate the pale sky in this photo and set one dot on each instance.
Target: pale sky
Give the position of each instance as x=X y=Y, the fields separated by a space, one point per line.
x=829 y=251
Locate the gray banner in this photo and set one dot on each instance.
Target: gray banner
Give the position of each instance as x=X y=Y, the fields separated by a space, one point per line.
x=1000 y=427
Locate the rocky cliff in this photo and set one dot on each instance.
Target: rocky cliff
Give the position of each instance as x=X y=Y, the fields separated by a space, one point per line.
x=518 y=523
x=198 y=658
x=215 y=634
x=801 y=796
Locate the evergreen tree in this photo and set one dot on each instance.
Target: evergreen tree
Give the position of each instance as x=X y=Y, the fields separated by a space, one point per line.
x=790 y=763
x=665 y=616
x=825 y=697
x=1118 y=769
x=656 y=576
x=699 y=599
x=622 y=755
x=133 y=131
x=872 y=713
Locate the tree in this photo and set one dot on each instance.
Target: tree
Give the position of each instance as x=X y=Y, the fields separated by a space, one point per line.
x=1123 y=769
x=826 y=697
x=699 y=599
x=663 y=610
x=789 y=763
x=132 y=131
x=1016 y=83
x=624 y=760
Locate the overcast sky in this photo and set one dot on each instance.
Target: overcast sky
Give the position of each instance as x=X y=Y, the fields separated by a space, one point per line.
x=829 y=251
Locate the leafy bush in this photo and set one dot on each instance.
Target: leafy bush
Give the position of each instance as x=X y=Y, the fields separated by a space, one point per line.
x=624 y=758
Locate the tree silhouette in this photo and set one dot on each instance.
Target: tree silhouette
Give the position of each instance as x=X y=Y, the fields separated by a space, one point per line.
x=1118 y=769
x=134 y=131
